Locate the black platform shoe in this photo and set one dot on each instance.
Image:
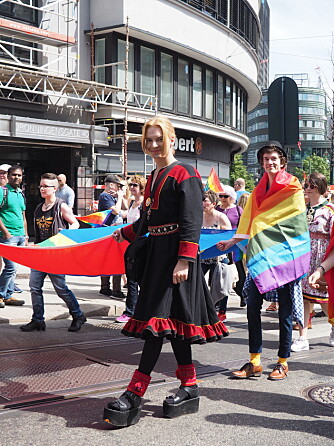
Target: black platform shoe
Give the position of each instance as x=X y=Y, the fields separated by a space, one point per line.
x=124 y=411
x=184 y=402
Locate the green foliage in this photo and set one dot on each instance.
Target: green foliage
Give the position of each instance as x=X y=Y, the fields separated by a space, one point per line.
x=239 y=170
x=313 y=163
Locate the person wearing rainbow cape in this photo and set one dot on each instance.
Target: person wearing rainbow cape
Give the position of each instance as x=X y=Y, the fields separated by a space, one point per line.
x=278 y=255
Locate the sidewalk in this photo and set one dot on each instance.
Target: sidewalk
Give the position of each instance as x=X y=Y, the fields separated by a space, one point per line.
x=86 y=289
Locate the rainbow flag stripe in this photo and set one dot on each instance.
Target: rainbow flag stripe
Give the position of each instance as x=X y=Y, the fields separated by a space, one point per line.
x=96 y=219
x=213 y=182
x=275 y=224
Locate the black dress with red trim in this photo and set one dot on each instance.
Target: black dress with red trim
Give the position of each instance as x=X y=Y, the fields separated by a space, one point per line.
x=184 y=311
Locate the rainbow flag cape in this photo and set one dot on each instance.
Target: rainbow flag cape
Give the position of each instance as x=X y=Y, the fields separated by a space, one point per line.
x=91 y=251
x=329 y=276
x=213 y=182
x=96 y=219
x=274 y=222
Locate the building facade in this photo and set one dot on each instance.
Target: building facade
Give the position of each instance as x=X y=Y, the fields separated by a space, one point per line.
x=197 y=62
x=79 y=78
x=313 y=140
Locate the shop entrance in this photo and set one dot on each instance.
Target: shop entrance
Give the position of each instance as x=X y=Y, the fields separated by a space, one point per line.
x=35 y=162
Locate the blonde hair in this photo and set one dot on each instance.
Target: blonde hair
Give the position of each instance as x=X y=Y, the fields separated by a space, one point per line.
x=168 y=133
x=243 y=200
x=141 y=181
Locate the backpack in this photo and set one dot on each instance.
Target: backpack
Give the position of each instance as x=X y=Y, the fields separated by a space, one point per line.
x=4 y=198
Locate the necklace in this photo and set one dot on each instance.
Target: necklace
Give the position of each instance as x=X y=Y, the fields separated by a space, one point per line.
x=48 y=206
x=310 y=211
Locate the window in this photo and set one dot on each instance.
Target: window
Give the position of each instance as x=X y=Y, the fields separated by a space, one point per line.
x=166 y=81
x=220 y=99
x=234 y=106
x=121 y=48
x=197 y=90
x=228 y=102
x=147 y=72
x=209 y=111
x=100 y=59
x=183 y=86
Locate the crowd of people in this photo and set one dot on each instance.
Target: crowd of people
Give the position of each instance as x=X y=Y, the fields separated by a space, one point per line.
x=289 y=228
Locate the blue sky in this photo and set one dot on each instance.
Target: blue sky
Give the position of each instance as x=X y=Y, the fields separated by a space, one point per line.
x=301 y=40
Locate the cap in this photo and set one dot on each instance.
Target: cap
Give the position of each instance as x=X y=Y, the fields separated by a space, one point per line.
x=112 y=179
x=5 y=167
x=271 y=143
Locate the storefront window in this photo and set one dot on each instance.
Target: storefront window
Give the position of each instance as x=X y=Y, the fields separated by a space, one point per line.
x=220 y=99
x=197 y=90
x=209 y=111
x=183 y=86
x=100 y=59
x=228 y=102
x=147 y=72
x=166 y=81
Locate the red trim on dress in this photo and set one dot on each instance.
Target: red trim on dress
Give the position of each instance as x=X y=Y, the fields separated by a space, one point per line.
x=188 y=249
x=128 y=233
x=173 y=328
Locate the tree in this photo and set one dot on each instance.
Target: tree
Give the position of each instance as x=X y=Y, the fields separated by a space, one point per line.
x=313 y=163
x=239 y=170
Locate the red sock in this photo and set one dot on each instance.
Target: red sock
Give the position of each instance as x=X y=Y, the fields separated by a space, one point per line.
x=186 y=374
x=139 y=383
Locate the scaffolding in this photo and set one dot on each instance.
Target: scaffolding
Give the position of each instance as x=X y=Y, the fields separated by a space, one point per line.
x=127 y=100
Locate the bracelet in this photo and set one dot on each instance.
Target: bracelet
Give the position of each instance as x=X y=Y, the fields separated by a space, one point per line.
x=27 y=236
x=323 y=269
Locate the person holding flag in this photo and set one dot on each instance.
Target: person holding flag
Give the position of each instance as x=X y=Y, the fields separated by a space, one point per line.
x=278 y=255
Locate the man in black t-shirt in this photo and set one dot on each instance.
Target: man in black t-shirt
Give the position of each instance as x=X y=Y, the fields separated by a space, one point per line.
x=50 y=217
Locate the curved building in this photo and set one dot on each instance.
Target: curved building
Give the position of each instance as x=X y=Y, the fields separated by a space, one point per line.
x=195 y=61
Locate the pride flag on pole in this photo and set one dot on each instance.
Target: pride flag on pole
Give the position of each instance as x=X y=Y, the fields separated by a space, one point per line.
x=213 y=182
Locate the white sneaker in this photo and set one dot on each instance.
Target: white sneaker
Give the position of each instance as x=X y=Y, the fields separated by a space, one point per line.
x=300 y=344
x=331 y=338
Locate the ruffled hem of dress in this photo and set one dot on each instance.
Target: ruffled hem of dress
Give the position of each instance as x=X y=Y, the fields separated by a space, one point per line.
x=174 y=329
x=315 y=299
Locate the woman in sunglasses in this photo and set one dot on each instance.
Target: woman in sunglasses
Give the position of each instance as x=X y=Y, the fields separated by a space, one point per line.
x=233 y=213
x=320 y=217
x=137 y=187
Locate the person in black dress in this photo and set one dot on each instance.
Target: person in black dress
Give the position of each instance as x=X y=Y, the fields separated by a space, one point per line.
x=174 y=301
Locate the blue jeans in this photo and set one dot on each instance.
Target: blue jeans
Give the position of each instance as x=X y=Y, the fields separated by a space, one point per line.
x=36 y=283
x=7 y=277
x=254 y=305
x=131 y=298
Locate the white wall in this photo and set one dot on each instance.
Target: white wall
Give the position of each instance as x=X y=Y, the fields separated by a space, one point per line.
x=180 y=28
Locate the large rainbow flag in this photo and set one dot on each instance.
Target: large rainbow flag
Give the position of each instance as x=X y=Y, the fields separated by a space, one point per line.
x=274 y=222
x=213 y=182
x=91 y=251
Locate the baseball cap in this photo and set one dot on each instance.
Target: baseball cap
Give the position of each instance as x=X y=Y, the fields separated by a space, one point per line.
x=5 y=167
x=272 y=143
x=112 y=179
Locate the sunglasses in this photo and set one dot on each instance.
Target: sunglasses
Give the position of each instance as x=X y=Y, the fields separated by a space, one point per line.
x=223 y=196
x=134 y=185
x=309 y=185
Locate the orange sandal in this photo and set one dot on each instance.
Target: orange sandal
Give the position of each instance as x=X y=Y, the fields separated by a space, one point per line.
x=272 y=307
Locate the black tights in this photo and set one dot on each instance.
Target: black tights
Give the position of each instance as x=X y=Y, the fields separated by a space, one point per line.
x=152 y=349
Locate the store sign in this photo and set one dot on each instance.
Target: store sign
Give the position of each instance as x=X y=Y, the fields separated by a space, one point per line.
x=29 y=128
x=49 y=130
x=189 y=145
